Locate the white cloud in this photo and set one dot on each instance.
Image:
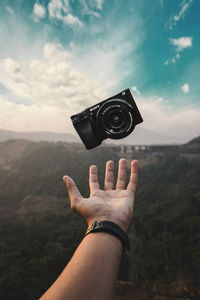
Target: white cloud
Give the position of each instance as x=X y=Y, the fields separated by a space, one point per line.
x=181 y=43
x=134 y=89
x=72 y=20
x=159 y=118
x=172 y=60
x=21 y=117
x=184 y=6
x=53 y=80
x=185 y=88
x=50 y=89
x=55 y=8
x=89 y=71
x=99 y=3
x=9 y=10
x=39 y=11
x=60 y=10
x=177 y=56
x=60 y=81
x=87 y=11
x=163 y=119
x=57 y=85
x=10 y=66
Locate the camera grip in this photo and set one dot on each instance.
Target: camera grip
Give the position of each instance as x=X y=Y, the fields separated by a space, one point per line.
x=87 y=134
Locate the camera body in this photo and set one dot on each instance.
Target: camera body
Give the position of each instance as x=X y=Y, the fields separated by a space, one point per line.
x=114 y=118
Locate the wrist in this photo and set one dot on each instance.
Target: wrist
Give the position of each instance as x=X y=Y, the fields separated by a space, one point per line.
x=111 y=228
x=121 y=224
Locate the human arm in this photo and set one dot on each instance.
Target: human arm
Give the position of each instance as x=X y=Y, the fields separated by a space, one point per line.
x=92 y=271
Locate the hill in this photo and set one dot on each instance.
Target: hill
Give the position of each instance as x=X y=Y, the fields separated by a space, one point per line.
x=192 y=146
x=6 y=135
x=39 y=233
x=139 y=136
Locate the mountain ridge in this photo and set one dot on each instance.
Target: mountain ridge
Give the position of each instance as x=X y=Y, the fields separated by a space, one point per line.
x=139 y=136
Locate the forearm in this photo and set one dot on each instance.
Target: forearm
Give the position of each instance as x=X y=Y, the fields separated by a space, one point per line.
x=92 y=271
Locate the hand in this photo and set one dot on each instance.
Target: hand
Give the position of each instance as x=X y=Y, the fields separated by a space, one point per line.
x=108 y=204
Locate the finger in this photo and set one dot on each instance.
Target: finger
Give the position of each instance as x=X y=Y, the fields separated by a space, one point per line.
x=134 y=176
x=74 y=194
x=109 y=176
x=121 y=178
x=93 y=178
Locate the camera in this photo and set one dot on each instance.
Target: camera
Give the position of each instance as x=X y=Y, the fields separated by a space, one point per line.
x=113 y=118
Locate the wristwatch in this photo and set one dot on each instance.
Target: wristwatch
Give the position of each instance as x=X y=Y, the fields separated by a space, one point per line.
x=112 y=228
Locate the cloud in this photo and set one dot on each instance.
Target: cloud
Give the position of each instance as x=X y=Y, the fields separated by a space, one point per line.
x=21 y=117
x=52 y=80
x=181 y=43
x=158 y=117
x=9 y=10
x=172 y=60
x=72 y=20
x=50 y=90
x=39 y=11
x=183 y=8
x=60 y=10
x=185 y=88
x=134 y=89
x=161 y=118
x=174 y=19
x=87 y=11
x=99 y=3
x=10 y=66
x=73 y=78
x=50 y=86
x=56 y=7
x=56 y=86
x=84 y=73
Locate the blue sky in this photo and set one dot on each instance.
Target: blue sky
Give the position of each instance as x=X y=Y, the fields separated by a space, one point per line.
x=57 y=57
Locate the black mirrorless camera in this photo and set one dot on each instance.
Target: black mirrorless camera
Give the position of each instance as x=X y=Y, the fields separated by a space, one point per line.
x=113 y=118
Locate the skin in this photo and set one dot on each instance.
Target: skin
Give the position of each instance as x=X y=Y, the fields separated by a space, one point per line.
x=92 y=271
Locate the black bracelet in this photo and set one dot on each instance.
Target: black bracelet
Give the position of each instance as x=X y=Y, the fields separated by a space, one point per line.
x=112 y=228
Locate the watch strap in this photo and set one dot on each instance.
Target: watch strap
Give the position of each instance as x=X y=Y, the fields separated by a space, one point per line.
x=112 y=228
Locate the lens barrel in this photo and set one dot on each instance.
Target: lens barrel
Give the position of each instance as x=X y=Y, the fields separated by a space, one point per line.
x=115 y=117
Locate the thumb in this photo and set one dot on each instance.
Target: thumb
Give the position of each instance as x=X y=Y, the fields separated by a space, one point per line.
x=74 y=194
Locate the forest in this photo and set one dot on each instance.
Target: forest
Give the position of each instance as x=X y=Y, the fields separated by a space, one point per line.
x=39 y=233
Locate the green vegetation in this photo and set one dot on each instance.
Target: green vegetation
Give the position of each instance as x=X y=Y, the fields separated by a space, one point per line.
x=39 y=233
x=167 y=223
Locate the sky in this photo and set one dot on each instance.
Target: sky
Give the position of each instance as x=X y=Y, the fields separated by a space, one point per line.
x=58 y=57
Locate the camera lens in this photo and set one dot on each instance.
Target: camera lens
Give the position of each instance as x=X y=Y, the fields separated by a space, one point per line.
x=115 y=118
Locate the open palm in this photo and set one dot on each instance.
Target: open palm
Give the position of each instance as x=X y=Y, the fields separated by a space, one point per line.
x=109 y=204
